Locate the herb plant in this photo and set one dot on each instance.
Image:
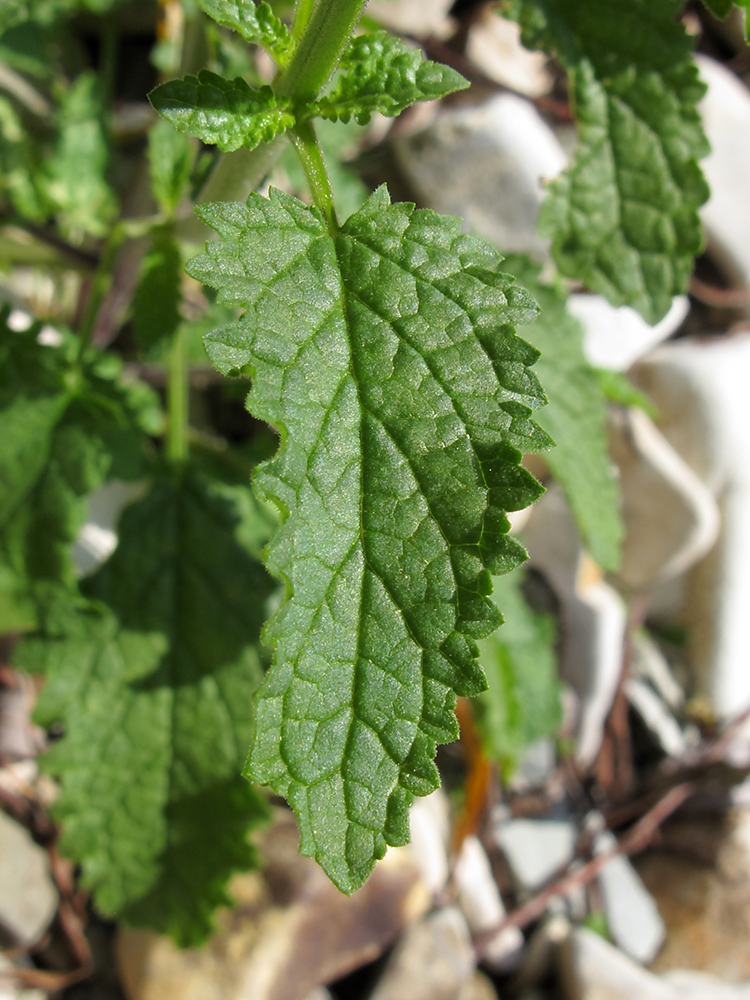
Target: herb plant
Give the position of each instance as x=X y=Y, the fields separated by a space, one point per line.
x=383 y=350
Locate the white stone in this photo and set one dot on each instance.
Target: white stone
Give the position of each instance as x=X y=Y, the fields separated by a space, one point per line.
x=650 y=664
x=429 y=825
x=656 y=716
x=97 y=539
x=535 y=849
x=700 y=389
x=671 y=517
x=632 y=915
x=478 y=898
x=494 y=46
x=486 y=164
x=592 y=969
x=28 y=897
x=615 y=337
x=726 y=116
x=413 y=17
x=9 y=987
x=689 y=985
x=433 y=960
x=593 y=617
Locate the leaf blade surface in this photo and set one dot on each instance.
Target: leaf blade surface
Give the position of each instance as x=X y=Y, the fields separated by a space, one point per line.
x=387 y=359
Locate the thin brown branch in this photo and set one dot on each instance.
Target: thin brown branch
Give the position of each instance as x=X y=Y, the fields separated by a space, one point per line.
x=634 y=841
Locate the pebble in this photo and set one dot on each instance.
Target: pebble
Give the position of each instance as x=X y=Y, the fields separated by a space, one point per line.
x=616 y=336
x=633 y=918
x=535 y=849
x=487 y=164
x=28 y=897
x=726 y=116
x=479 y=900
x=433 y=960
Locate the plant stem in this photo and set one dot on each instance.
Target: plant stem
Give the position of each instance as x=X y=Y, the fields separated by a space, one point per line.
x=302 y=15
x=318 y=51
x=308 y=150
x=100 y=284
x=177 y=401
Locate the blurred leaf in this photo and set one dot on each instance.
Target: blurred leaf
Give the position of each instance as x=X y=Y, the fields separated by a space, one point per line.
x=77 y=183
x=170 y=160
x=156 y=305
x=522 y=701
x=153 y=684
x=575 y=418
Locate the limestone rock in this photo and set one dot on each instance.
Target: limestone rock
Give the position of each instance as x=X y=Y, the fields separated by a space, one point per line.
x=726 y=116
x=433 y=960
x=486 y=164
x=535 y=848
x=28 y=897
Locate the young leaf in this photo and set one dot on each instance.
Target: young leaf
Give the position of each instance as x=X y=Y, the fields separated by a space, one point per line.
x=576 y=418
x=522 y=700
x=379 y=73
x=67 y=427
x=170 y=159
x=153 y=687
x=156 y=306
x=624 y=216
x=257 y=23
x=386 y=356
x=225 y=113
x=77 y=183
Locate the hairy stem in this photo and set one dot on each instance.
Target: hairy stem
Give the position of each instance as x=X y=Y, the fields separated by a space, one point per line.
x=308 y=150
x=317 y=54
x=177 y=401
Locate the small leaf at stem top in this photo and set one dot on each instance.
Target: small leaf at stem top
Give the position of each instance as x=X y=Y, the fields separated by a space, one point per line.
x=380 y=73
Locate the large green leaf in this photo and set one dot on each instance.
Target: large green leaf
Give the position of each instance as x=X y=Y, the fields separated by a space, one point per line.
x=522 y=701
x=380 y=73
x=624 y=217
x=386 y=357
x=576 y=418
x=153 y=686
x=68 y=425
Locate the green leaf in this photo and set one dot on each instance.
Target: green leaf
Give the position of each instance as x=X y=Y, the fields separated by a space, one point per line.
x=387 y=358
x=225 y=113
x=14 y=12
x=20 y=173
x=256 y=23
x=624 y=217
x=66 y=429
x=522 y=700
x=152 y=685
x=380 y=73
x=170 y=160
x=77 y=183
x=576 y=418
x=156 y=306
x=722 y=9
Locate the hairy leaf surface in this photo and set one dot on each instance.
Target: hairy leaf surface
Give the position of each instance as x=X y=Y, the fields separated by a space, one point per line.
x=522 y=700
x=225 y=113
x=624 y=216
x=67 y=427
x=255 y=22
x=380 y=73
x=152 y=685
x=576 y=418
x=387 y=359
